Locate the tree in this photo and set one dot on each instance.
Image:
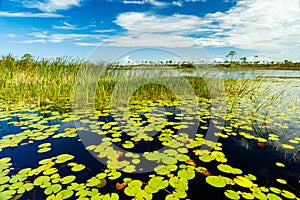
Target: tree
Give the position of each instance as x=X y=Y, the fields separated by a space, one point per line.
x=244 y=60
x=27 y=57
x=231 y=54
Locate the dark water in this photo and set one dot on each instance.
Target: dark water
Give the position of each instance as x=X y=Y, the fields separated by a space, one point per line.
x=240 y=152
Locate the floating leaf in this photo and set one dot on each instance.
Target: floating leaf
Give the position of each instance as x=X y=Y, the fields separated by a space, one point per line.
x=225 y=168
x=186 y=173
x=121 y=186
x=128 y=144
x=133 y=187
x=287 y=146
x=68 y=179
x=63 y=158
x=260 y=195
x=113 y=196
x=243 y=181
x=251 y=177
x=4 y=180
x=288 y=194
x=5 y=160
x=247 y=195
x=272 y=196
x=66 y=194
x=7 y=194
x=78 y=168
x=232 y=194
x=215 y=181
x=44 y=145
x=275 y=190
x=41 y=180
x=280 y=164
x=55 y=188
x=50 y=171
x=282 y=181
x=43 y=150
x=143 y=195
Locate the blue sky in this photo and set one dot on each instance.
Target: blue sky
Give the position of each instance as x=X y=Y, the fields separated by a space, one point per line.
x=193 y=29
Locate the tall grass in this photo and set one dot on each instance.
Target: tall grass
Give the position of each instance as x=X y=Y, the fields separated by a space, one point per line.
x=45 y=82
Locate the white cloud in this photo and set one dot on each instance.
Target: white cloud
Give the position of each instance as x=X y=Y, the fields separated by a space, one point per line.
x=52 y=5
x=270 y=27
x=43 y=37
x=66 y=26
x=29 y=14
x=134 y=2
x=145 y=39
x=157 y=3
x=150 y=23
x=177 y=3
x=263 y=25
x=104 y=31
x=87 y=44
x=11 y=35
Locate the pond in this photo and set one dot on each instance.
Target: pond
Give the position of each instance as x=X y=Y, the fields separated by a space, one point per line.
x=246 y=147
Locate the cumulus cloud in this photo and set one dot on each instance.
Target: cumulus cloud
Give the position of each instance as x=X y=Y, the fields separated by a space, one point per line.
x=43 y=37
x=270 y=27
x=29 y=14
x=52 y=5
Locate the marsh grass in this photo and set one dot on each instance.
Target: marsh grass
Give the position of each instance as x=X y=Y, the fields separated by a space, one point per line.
x=45 y=82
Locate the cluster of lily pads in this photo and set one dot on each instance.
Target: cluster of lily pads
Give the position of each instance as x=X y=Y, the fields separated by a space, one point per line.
x=151 y=124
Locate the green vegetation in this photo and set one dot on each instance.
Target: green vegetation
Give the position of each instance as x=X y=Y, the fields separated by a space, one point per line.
x=36 y=99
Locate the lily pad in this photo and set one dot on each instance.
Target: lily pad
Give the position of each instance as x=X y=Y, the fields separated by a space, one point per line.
x=232 y=194
x=63 y=158
x=68 y=179
x=55 y=188
x=272 y=196
x=216 y=181
x=243 y=181
x=78 y=168
x=288 y=194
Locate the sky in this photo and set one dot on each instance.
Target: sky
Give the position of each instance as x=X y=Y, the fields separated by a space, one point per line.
x=151 y=29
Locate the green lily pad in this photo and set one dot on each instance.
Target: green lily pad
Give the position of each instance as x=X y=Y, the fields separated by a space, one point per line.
x=260 y=195
x=7 y=194
x=65 y=194
x=243 y=181
x=288 y=194
x=282 y=181
x=44 y=145
x=78 y=168
x=63 y=158
x=279 y=164
x=5 y=160
x=155 y=184
x=186 y=173
x=68 y=179
x=128 y=144
x=43 y=150
x=216 y=181
x=275 y=190
x=55 y=188
x=251 y=177
x=171 y=197
x=143 y=195
x=112 y=196
x=133 y=188
x=50 y=171
x=225 y=168
x=232 y=194
x=4 y=179
x=272 y=196
x=41 y=180
x=287 y=146
x=247 y=195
